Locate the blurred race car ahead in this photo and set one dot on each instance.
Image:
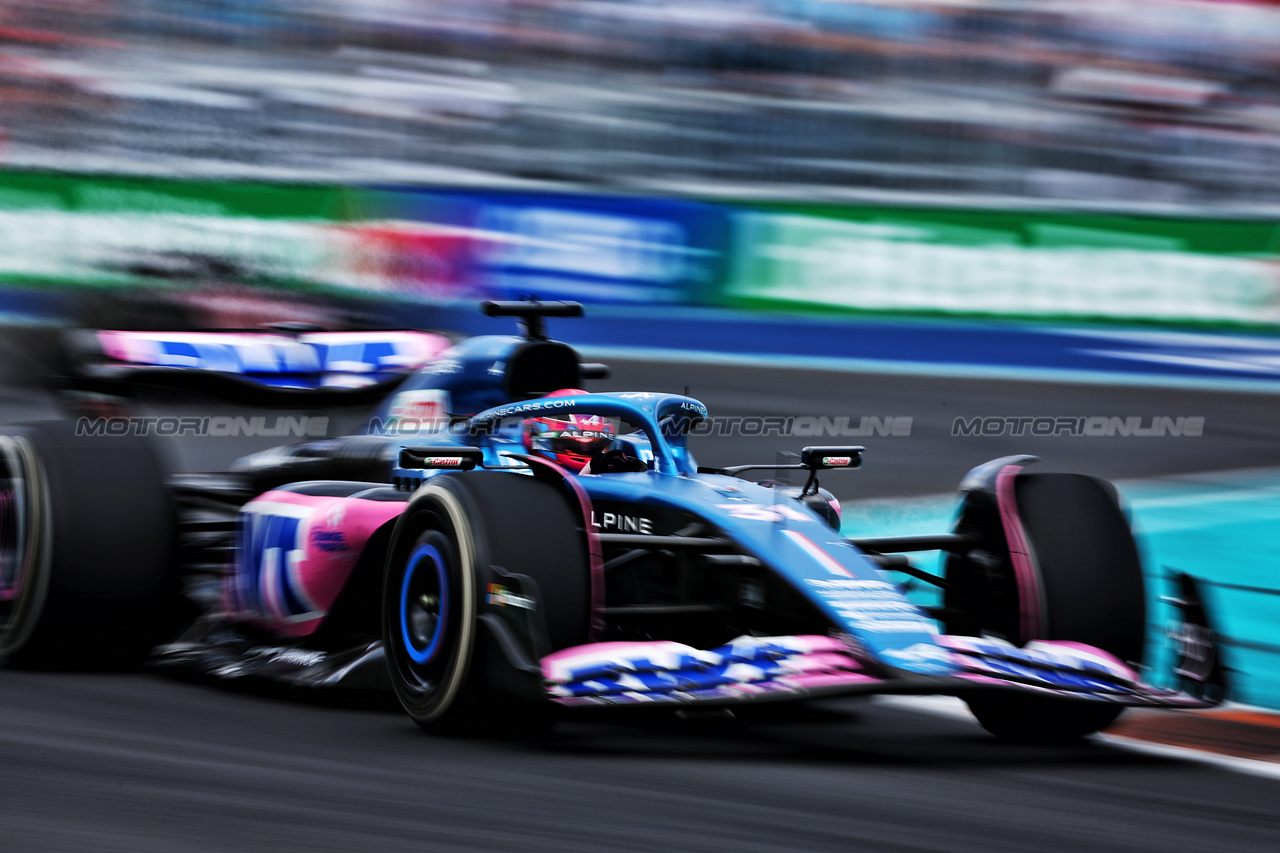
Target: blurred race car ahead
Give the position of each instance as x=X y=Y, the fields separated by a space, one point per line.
x=534 y=550
x=295 y=361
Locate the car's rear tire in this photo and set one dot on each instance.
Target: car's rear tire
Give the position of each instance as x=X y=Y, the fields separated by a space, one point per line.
x=86 y=545
x=1088 y=589
x=458 y=532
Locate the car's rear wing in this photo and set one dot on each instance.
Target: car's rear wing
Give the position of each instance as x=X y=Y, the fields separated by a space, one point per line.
x=250 y=366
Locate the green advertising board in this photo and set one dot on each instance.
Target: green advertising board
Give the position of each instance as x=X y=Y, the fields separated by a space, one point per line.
x=76 y=230
x=1050 y=264
x=41 y=191
x=107 y=231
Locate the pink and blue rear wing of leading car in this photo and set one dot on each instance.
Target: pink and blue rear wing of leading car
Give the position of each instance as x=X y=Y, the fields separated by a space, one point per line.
x=310 y=360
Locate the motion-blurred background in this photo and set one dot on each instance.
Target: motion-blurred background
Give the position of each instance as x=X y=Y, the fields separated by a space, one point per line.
x=1086 y=103
x=1085 y=158
x=905 y=210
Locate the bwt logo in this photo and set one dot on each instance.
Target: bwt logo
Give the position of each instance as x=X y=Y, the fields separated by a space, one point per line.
x=1093 y=427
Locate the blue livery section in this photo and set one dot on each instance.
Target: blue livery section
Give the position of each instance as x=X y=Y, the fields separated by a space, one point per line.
x=801 y=547
x=269 y=540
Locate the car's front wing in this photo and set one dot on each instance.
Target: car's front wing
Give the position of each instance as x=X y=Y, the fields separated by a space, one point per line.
x=752 y=669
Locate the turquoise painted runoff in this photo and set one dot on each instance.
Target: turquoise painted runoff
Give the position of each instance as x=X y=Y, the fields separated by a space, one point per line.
x=1220 y=527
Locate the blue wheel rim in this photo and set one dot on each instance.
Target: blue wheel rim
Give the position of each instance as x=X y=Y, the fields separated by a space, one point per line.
x=422 y=645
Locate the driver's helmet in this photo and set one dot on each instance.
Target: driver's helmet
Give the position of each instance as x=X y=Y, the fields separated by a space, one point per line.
x=570 y=440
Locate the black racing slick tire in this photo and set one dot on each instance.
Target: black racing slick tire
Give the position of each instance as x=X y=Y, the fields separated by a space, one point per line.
x=1090 y=590
x=463 y=536
x=86 y=548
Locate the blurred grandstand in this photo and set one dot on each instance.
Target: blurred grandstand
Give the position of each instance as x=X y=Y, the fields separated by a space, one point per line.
x=1081 y=103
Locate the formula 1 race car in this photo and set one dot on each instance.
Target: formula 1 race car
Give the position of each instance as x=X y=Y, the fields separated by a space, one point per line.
x=501 y=544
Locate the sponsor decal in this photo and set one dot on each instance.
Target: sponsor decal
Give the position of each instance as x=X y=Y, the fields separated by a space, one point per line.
x=576 y=433
x=836 y=461
x=872 y=605
x=297 y=657
x=329 y=540
x=445 y=366
x=539 y=406
x=502 y=597
x=430 y=405
x=619 y=523
x=920 y=653
x=760 y=512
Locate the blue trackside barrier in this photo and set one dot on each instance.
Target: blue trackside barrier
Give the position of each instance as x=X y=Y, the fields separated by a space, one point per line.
x=600 y=250
x=20 y=306
x=963 y=347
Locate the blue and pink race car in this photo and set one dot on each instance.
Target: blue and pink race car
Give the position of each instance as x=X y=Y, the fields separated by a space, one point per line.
x=502 y=547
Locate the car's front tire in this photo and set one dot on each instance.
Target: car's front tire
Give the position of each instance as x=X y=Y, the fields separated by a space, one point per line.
x=1086 y=586
x=460 y=534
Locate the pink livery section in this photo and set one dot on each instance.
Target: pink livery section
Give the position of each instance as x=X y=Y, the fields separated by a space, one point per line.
x=619 y=673
x=294 y=552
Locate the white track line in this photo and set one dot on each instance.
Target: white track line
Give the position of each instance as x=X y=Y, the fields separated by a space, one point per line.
x=949 y=706
x=1251 y=766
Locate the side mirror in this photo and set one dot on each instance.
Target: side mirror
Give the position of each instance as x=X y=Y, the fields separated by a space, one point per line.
x=812 y=459
x=826 y=458
x=454 y=458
